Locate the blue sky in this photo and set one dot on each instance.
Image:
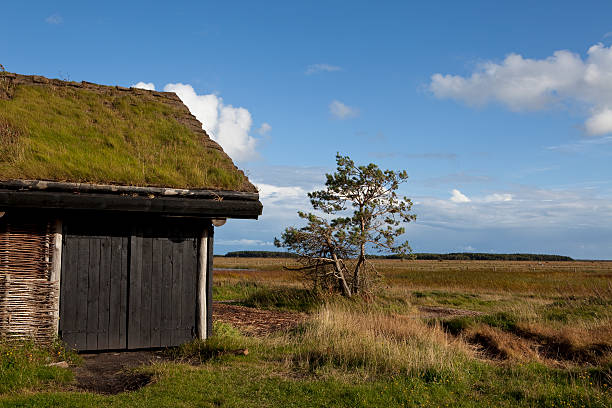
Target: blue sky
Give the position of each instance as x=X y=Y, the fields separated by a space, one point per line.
x=500 y=113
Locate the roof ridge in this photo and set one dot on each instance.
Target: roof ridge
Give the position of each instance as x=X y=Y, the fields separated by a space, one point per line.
x=20 y=79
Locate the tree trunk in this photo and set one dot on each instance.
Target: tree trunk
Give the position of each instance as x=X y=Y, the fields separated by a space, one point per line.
x=356 y=274
x=344 y=287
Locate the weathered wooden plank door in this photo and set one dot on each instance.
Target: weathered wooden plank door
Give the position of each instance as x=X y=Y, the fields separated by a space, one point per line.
x=128 y=290
x=163 y=280
x=94 y=290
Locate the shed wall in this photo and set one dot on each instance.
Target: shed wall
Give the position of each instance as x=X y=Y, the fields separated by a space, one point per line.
x=148 y=276
x=27 y=297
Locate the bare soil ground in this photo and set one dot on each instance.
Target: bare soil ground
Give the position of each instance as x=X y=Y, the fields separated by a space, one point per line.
x=110 y=373
x=428 y=312
x=256 y=322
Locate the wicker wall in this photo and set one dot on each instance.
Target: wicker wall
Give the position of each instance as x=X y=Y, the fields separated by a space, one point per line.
x=27 y=298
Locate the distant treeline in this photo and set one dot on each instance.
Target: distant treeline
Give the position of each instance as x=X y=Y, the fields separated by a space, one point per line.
x=474 y=256
x=259 y=254
x=455 y=256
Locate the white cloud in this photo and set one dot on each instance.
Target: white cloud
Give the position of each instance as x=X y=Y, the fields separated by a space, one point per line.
x=459 y=197
x=342 y=111
x=600 y=122
x=144 y=85
x=225 y=124
x=532 y=84
x=283 y=202
x=524 y=208
x=557 y=221
x=243 y=242
x=317 y=68
x=54 y=19
x=496 y=197
x=271 y=193
x=264 y=128
x=583 y=145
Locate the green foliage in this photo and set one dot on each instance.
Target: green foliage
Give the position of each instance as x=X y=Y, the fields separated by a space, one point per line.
x=362 y=212
x=80 y=135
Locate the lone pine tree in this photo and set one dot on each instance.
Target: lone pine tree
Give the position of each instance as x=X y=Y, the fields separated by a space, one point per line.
x=360 y=211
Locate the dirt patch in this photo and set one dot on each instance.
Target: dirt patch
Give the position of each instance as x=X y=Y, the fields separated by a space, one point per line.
x=256 y=322
x=429 y=312
x=111 y=373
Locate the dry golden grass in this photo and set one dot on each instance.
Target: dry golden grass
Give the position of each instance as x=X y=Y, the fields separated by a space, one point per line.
x=498 y=344
x=376 y=342
x=548 y=312
x=516 y=277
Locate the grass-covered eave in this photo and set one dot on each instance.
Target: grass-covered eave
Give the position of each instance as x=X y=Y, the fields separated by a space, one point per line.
x=85 y=133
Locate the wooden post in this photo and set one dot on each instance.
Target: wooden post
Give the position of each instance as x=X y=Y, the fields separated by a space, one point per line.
x=209 y=282
x=56 y=270
x=202 y=294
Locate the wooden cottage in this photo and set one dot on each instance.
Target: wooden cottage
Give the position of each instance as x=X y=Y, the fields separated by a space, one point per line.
x=108 y=201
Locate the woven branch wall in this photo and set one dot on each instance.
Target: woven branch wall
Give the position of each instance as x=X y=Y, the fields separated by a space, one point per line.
x=27 y=299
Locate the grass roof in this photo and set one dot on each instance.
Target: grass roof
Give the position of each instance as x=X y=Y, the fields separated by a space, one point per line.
x=82 y=132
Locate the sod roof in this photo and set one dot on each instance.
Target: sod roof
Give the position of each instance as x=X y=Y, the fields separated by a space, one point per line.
x=86 y=133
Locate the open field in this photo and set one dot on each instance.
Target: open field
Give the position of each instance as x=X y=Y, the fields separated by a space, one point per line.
x=438 y=333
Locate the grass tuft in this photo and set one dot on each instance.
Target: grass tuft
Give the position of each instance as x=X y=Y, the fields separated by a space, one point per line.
x=226 y=341
x=355 y=337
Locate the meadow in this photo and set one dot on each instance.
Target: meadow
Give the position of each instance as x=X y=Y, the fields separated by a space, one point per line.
x=436 y=333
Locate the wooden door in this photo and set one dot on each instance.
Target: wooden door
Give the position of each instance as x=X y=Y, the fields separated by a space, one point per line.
x=128 y=290
x=94 y=289
x=163 y=282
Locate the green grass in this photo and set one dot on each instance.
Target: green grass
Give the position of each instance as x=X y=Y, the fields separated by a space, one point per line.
x=469 y=300
x=234 y=291
x=265 y=379
x=266 y=297
x=257 y=383
x=25 y=366
x=226 y=341
x=81 y=135
x=375 y=352
x=292 y=299
x=567 y=310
